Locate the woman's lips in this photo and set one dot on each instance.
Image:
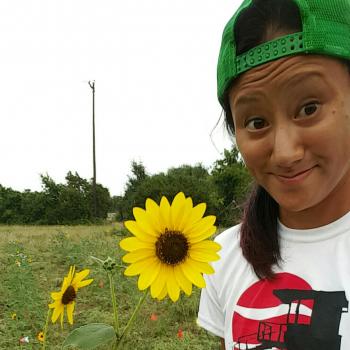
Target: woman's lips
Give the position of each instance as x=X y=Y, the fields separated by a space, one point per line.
x=294 y=179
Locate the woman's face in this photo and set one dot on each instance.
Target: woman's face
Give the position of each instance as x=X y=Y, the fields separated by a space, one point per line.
x=292 y=124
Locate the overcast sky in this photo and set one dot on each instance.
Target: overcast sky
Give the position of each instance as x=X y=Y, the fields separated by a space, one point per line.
x=154 y=64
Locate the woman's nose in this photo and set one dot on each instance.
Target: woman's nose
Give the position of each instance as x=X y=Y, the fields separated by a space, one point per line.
x=287 y=146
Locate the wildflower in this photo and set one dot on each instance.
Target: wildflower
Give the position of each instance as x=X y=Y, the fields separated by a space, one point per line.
x=18 y=263
x=170 y=251
x=13 y=315
x=180 y=333
x=24 y=340
x=40 y=336
x=66 y=297
x=153 y=317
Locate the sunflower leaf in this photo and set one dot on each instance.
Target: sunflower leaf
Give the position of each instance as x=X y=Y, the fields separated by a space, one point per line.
x=90 y=336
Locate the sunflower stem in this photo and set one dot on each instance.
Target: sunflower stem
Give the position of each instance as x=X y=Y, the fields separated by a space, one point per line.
x=46 y=326
x=132 y=319
x=114 y=303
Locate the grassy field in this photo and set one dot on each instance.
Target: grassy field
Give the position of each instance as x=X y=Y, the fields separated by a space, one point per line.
x=33 y=262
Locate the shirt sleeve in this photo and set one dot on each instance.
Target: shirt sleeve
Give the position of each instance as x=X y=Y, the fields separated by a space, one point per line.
x=211 y=315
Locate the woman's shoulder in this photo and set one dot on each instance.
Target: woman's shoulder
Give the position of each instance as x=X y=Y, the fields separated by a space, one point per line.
x=232 y=270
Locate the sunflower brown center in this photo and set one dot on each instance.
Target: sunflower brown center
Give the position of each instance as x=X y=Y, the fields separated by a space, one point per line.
x=172 y=247
x=69 y=295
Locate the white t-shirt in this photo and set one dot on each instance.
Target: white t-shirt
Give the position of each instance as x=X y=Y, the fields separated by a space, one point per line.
x=305 y=307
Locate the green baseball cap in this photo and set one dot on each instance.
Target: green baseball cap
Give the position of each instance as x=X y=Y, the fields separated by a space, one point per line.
x=326 y=31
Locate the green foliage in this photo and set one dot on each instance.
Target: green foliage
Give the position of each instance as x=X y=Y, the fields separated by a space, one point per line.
x=223 y=189
x=69 y=203
x=90 y=336
x=232 y=181
x=19 y=294
x=194 y=181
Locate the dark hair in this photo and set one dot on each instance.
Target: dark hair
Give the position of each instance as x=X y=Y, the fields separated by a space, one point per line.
x=258 y=236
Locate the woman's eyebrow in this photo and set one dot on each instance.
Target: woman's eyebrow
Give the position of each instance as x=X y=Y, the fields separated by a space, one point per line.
x=245 y=99
x=295 y=80
x=301 y=77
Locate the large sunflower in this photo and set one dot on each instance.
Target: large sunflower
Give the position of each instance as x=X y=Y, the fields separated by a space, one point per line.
x=170 y=251
x=66 y=297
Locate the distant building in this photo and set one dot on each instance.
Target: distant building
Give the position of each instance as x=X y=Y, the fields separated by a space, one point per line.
x=111 y=217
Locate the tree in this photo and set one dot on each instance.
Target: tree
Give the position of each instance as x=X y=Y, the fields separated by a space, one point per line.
x=233 y=183
x=10 y=205
x=194 y=181
x=71 y=203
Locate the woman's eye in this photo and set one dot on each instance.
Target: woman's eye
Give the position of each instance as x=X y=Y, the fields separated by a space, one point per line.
x=309 y=109
x=255 y=124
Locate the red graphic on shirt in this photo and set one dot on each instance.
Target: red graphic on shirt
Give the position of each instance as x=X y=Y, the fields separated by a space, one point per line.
x=286 y=313
x=258 y=302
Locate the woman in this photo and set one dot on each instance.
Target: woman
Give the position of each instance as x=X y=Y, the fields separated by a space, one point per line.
x=283 y=280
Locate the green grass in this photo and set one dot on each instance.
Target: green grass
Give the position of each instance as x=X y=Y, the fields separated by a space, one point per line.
x=33 y=262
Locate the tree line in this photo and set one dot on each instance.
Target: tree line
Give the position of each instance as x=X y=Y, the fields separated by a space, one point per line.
x=223 y=187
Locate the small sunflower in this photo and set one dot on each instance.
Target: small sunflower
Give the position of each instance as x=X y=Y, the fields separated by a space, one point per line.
x=170 y=250
x=14 y=316
x=41 y=336
x=66 y=297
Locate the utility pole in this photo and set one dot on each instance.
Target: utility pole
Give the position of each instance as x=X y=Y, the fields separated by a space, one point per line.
x=92 y=85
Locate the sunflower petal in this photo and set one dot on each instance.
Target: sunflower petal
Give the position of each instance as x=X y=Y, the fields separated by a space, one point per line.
x=58 y=309
x=202 y=236
x=202 y=267
x=192 y=274
x=137 y=255
x=165 y=213
x=52 y=305
x=79 y=276
x=138 y=232
x=172 y=285
x=163 y=293
x=207 y=245
x=196 y=214
x=133 y=243
x=160 y=282
x=84 y=283
x=177 y=210
x=71 y=275
x=187 y=213
x=203 y=255
x=144 y=221
x=70 y=309
x=56 y=295
x=183 y=282
x=153 y=211
x=65 y=284
x=201 y=226
x=149 y=275
x=137 y=267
